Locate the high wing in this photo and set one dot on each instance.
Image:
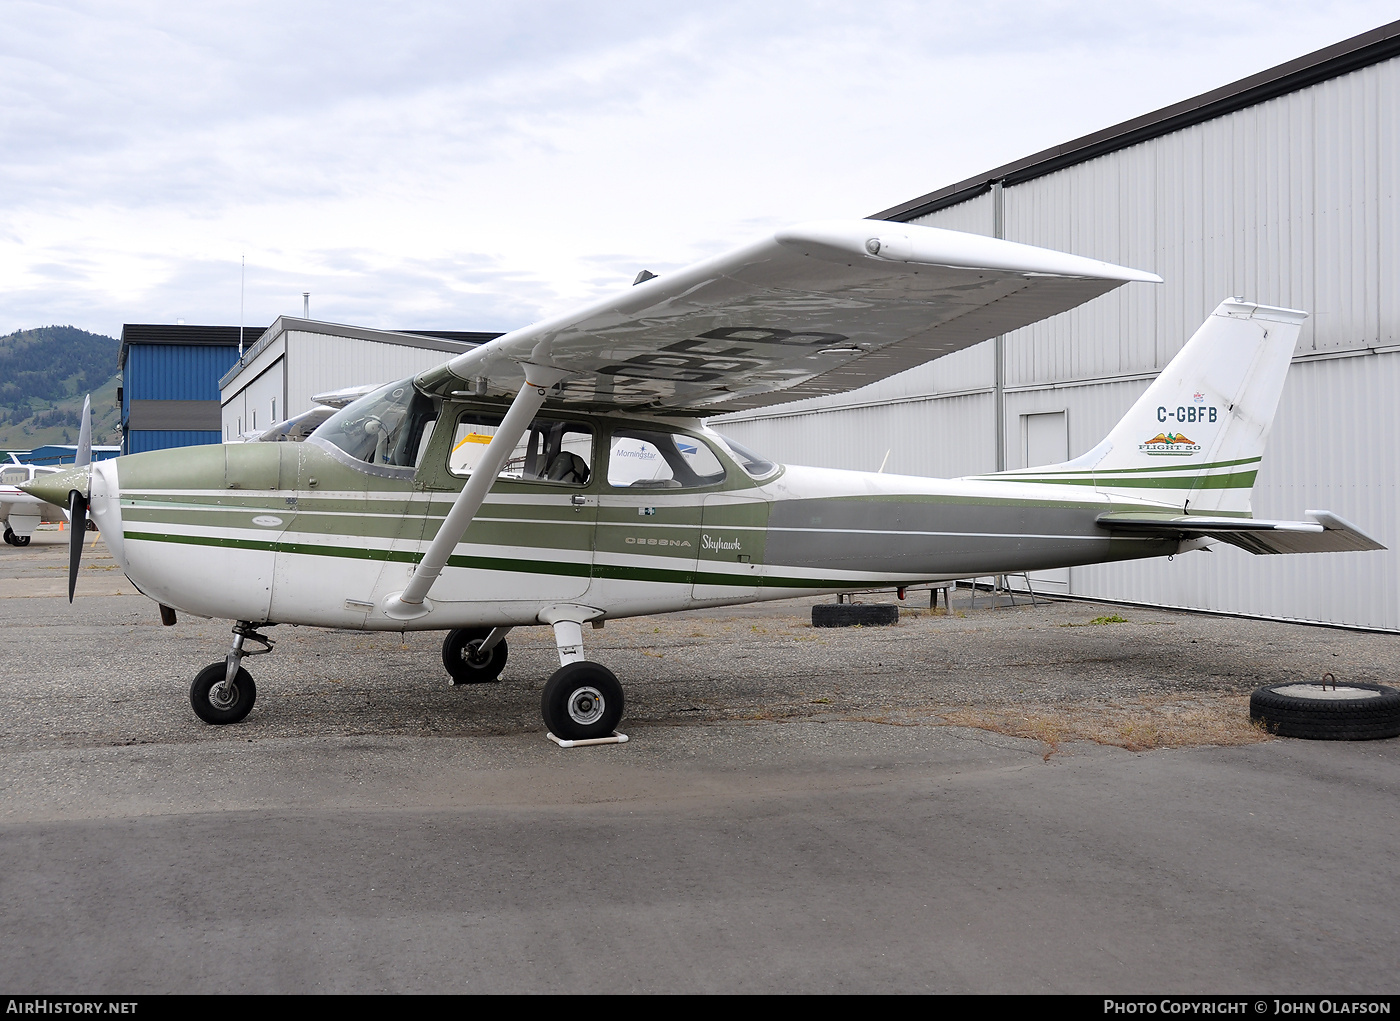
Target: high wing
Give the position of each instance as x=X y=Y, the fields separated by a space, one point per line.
x=1325 y=533
x=818 y=308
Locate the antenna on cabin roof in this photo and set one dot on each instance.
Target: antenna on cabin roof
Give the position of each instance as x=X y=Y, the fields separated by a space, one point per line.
x=306 y=304
x=242 y=275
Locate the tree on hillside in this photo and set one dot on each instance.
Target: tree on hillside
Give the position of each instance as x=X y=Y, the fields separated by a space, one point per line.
x=52 y=363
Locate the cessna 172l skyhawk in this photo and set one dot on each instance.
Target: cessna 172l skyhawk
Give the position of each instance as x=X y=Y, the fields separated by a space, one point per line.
x=562 y=474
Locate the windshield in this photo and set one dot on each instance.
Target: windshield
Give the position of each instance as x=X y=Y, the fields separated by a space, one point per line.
x=390 y=426
x=757 y=467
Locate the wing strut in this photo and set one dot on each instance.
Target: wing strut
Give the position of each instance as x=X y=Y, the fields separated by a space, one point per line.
x=412 y=601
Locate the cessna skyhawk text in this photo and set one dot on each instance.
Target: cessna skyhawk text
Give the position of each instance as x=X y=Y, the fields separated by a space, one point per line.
x=562 y=474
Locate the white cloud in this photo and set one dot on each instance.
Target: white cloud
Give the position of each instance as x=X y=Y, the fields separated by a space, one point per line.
x=443 y=165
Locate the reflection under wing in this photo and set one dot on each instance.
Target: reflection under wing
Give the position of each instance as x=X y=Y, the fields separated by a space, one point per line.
x=1325 y=533
x=818 y=308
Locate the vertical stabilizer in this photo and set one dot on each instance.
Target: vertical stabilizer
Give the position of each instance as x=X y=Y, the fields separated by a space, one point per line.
x=1195 y=438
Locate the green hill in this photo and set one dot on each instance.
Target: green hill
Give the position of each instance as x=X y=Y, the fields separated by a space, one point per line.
x=44 y=375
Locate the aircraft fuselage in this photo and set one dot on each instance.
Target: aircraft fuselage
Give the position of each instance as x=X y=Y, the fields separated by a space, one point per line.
x=302 y=533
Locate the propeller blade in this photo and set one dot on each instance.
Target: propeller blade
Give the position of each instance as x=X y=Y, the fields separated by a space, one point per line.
x=77 y=521
x=78 y=502
x=85 y=435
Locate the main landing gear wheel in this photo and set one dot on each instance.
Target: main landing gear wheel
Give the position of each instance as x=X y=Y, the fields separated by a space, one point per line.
x=582 y=701
x=217 y=703
x=1350 y=711
x=16 y=540
x=466 y=663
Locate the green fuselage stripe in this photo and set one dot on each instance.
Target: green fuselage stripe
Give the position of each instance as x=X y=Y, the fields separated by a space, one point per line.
x=575 y=570
x=1234 y=480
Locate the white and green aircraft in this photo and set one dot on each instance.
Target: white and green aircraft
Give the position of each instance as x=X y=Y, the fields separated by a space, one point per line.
x=563 y=474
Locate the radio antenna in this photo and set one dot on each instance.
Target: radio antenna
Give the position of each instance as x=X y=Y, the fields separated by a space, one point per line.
x=242 y=275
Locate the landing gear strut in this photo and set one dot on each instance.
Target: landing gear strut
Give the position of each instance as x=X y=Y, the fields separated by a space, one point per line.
x=225 y=692
x=582 y=700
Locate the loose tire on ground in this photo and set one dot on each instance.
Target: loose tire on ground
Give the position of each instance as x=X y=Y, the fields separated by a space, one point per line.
x=460 y=658
x=853 y=614
x=237 y=704
x=1347 y=711
x=582 y=701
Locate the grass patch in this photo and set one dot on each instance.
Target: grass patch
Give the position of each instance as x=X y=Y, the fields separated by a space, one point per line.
x=1160 y=722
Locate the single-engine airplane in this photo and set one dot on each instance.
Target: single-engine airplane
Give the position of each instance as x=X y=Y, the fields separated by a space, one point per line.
x=563 y=473
x=21 y=513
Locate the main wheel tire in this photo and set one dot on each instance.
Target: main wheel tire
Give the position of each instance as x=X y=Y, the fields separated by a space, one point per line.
x=9 y=537
x=463 y=662
x=1350 y=711
x=227 y=707
x=21 y=540
x=582 y=701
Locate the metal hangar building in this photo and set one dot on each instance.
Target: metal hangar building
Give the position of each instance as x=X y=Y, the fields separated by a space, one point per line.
x=1282 y=188
x=169 y=395
x=295 y=359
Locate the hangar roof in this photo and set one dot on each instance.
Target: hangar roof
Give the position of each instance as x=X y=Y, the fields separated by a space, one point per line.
x=228 y=336
x=1330 y=62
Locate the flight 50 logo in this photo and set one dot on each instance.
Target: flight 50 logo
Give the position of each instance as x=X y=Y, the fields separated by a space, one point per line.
x=1170 y=445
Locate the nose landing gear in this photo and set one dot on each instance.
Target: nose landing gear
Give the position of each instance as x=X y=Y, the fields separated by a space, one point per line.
x=224 y=692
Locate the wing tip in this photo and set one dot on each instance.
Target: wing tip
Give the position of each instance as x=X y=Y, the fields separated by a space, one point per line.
x=883 y=241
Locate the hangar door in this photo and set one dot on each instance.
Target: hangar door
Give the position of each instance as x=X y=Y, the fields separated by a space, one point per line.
x=1045 y=440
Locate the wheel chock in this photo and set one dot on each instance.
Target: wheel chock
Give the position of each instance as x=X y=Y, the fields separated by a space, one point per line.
x=613 y=738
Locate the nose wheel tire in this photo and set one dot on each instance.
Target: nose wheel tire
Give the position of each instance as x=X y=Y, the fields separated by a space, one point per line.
x=221 y=705
x=582 y=701
x=464 y=661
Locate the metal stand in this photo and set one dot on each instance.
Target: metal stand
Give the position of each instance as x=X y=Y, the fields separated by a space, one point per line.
x=613 y=738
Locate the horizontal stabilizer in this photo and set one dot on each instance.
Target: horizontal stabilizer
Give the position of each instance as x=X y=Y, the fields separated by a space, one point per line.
x=1325 y=533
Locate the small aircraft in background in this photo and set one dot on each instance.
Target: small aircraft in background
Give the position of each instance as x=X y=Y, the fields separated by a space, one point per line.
x=563 y=474
x=21 y=513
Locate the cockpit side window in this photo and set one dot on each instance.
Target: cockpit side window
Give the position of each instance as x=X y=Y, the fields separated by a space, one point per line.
x=550 y=450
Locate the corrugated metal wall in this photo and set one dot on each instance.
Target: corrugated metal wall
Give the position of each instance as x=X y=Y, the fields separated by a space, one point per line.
x=142 y=440
x=170 y=372
x=316 y=363
x=1295 y=202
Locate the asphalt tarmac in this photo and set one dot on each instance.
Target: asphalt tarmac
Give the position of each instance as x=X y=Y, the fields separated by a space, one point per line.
x=796 y=811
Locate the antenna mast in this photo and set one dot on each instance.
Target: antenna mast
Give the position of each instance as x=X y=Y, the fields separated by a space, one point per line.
x=242 y=274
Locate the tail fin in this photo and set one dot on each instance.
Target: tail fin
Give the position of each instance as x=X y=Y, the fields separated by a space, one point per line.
x=1195 y=438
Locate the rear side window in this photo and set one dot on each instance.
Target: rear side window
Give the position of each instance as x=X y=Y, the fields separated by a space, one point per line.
x=643 y=459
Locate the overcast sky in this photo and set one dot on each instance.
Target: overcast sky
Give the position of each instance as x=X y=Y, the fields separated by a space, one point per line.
x=475 y=166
